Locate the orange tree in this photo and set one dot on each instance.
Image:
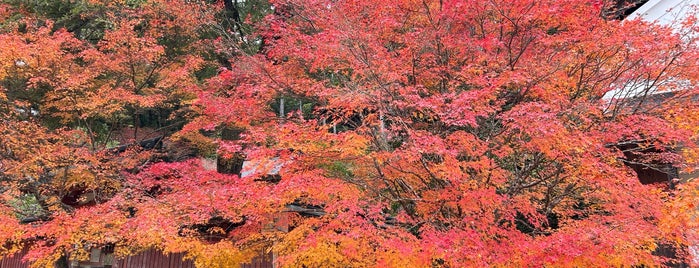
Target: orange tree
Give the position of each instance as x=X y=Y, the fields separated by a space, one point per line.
x=79 y=82
x=409 y=134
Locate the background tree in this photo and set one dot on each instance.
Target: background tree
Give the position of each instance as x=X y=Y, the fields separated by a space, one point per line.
x=83 y=82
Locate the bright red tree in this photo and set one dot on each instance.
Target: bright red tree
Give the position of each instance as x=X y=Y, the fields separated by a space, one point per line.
x=465 y=133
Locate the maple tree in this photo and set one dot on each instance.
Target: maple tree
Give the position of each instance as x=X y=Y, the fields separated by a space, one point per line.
x=418 y=133
x=78 y=90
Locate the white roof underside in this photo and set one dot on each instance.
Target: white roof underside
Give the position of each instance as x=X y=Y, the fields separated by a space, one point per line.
x=664 y=12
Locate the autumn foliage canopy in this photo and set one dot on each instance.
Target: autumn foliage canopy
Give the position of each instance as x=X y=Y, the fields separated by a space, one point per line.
x=431 y=133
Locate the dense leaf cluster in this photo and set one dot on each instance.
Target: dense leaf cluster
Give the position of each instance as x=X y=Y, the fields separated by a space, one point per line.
x=348 y=133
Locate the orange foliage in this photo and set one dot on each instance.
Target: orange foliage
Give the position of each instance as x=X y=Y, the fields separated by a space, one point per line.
x=416 y=133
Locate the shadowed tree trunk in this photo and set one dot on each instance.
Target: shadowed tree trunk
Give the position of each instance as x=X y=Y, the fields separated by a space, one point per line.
x=231 y=164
